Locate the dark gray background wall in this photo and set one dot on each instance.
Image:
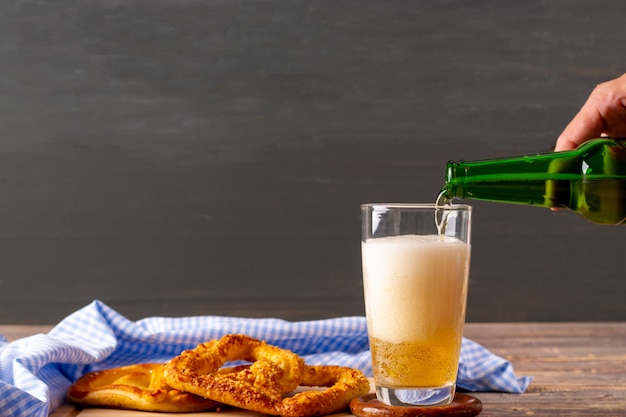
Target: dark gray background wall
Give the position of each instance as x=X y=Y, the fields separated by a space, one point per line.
x=190 y=157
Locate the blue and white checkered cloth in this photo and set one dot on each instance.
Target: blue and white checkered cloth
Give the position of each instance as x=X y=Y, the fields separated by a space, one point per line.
x=36 y=371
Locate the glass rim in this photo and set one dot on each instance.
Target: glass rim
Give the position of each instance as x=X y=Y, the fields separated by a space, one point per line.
x=418 y=206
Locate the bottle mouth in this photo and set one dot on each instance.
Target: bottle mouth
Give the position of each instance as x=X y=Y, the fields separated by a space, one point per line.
x=449 y=171
x=452 y=187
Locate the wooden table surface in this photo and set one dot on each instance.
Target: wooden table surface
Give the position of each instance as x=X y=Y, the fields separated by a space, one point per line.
x=579 y=369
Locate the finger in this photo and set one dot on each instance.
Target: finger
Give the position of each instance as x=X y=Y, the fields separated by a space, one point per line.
x=587 y=124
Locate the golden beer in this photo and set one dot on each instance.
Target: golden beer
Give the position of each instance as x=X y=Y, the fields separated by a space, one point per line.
x=420 y=363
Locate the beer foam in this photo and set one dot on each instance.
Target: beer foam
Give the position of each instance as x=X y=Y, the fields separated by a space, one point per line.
x=415 y=286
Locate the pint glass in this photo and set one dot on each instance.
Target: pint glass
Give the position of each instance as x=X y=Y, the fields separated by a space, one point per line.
x=416 y=261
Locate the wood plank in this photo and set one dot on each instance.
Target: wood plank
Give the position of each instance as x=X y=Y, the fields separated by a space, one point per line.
x=499 y=331
x=65 y=410
x=12 y=331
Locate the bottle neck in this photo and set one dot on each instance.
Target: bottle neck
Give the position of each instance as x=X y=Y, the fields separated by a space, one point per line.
x=542 y=179
x=511 y=180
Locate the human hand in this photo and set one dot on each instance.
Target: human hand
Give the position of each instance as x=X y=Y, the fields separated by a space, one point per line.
x=603 y=114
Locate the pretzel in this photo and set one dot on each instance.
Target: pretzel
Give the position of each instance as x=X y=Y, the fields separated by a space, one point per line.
x=345 y=384
x=135 y=387
x=259 y=387
x=263 y=386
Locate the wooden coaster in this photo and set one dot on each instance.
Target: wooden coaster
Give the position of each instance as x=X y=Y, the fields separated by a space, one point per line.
x=462 y=405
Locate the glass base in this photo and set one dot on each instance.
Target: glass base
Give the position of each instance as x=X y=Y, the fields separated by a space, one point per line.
x=415 y=397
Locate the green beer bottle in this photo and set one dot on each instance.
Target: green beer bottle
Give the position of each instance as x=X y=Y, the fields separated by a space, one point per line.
x=590 y=180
